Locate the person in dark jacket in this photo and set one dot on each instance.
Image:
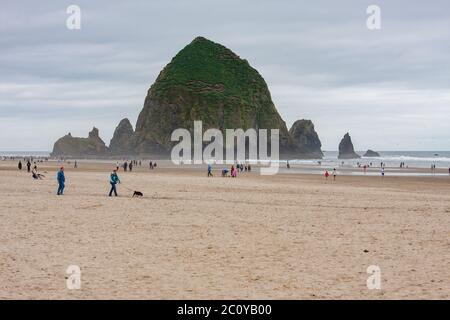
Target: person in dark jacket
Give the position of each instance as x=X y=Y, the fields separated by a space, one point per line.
x=210 y=170
x=113 y=181
x=61 y=181
x=28 y=166
x=20 y=165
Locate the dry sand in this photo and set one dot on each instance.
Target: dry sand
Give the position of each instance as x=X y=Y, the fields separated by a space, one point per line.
x=254 y=237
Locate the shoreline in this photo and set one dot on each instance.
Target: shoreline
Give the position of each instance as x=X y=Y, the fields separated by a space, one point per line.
x=295 y=168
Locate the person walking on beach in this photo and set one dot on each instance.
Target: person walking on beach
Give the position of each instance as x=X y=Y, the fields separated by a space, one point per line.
x=382 y=173
x=334 y=174
x=61 y=181
x=20 y=165
x=131 y=166
x=125 y=166
x=28 y=166
x=210 y=170
x=233 y=172
x=326 y=174
x=76 y=164
x=113 y=181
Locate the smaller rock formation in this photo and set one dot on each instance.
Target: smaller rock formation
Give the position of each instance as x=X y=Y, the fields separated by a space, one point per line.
x=69 y=146
x=346 y=150
x=306 y=140
x=371 y=154
x=122 y=140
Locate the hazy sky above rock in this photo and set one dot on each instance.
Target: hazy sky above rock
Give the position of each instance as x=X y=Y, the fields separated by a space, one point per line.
x=389 y=88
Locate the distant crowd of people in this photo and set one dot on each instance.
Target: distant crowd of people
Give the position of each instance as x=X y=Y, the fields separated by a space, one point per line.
x=130 y=164
x=232 y=172
x=365 y=167
x=31 y=168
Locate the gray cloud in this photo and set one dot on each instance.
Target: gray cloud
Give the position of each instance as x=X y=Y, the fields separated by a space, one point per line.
x=389 y=88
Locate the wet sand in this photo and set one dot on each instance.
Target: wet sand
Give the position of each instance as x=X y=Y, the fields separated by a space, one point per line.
x=289 y=236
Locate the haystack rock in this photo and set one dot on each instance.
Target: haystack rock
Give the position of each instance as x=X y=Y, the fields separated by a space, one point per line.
x=346 y=150
x=68 y=146
x=206 y=81
x=122 y=140
x=371 y=154
x=306 y=139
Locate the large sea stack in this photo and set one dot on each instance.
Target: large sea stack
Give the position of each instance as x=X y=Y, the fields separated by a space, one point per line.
x=204 y=82
x=306 y=139
x=346 y=150
x=208 y=82
x=92 y=146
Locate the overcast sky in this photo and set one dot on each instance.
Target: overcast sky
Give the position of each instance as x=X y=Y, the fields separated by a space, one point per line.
x=389 y=88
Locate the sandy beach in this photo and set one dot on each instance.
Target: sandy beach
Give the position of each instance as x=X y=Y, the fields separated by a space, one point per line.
x=288 y=236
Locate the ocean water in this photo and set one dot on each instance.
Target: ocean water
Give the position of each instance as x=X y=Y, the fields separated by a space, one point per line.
x=21 y=154
x=412 y=159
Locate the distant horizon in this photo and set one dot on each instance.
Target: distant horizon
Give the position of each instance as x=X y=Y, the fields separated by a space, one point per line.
x=357 y=151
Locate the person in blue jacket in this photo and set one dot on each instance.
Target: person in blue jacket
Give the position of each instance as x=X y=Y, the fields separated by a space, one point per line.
x=61 y=181
x=210 y=170
x=113 y=181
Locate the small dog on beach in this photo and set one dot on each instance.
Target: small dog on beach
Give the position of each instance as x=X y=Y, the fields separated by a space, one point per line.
x=138 y=194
